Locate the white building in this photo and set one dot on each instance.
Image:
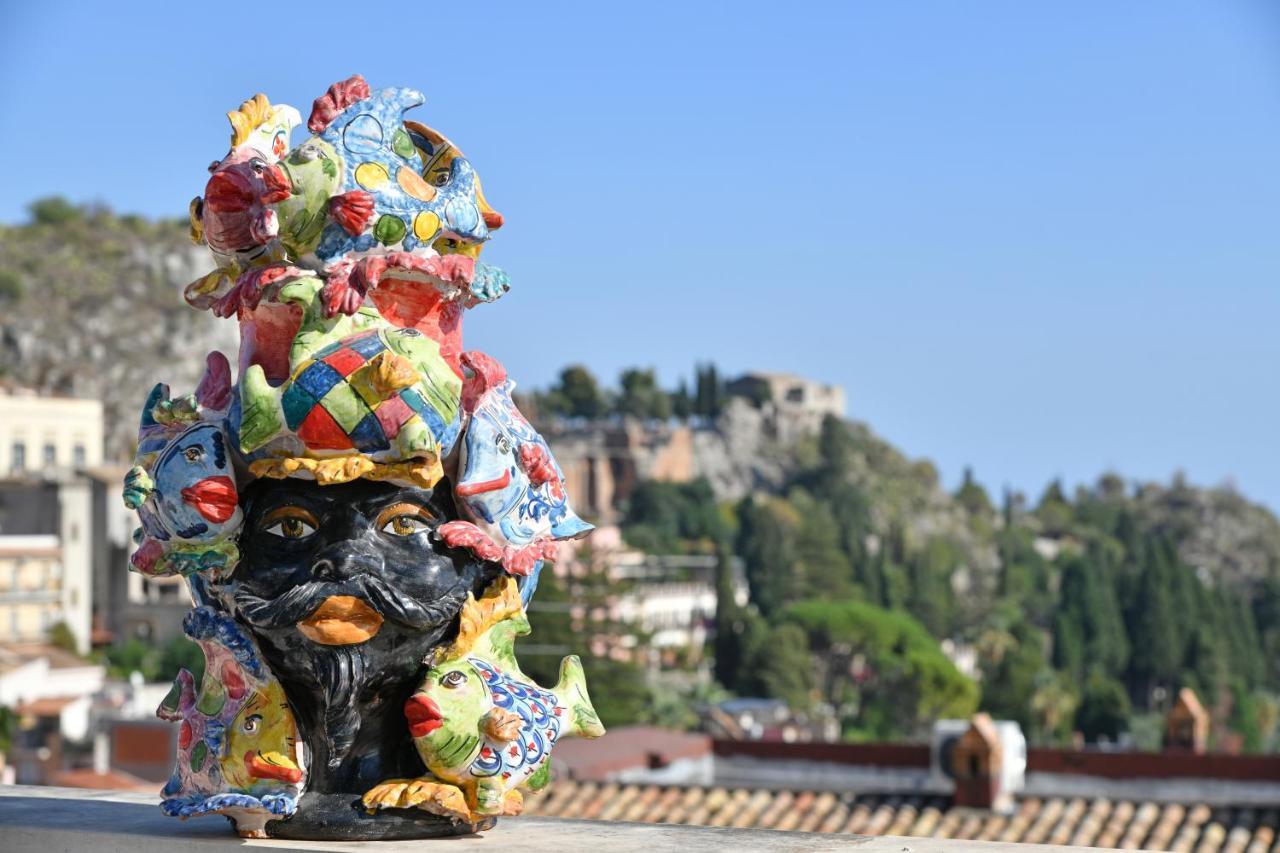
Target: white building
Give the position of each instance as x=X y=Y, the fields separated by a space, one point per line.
x=39 y=433
x=41 y=682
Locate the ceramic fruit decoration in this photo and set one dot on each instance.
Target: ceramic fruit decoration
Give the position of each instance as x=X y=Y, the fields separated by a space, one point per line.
x=357 y=507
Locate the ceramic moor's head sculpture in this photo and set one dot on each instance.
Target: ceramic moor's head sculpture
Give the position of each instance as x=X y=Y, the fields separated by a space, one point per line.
x=358 y=508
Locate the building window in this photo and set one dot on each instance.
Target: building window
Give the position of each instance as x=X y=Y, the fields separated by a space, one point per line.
x=50 y=455
x=19 y=461
x=77 y=456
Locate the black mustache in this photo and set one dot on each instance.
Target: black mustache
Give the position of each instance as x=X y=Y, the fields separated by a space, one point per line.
x=391 y=603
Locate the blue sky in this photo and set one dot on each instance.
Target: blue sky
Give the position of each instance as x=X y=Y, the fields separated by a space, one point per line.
x=1034 y=238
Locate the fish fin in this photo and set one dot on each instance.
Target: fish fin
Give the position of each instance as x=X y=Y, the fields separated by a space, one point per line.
x=464 y=534
x=501 y=725
x=181 y=696
x=572 y=691
x=214 y=390
x=352 y=210
x=540 y=778
x=261 y=418
x=340 y=95
x=571 y=527
x=158 y=395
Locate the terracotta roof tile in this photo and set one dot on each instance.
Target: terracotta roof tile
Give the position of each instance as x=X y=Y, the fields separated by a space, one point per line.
x=1191 y=827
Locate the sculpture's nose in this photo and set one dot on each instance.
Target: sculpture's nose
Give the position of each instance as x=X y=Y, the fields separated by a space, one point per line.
x=345 y=560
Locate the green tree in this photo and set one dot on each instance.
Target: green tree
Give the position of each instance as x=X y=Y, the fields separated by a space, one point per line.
x=784 y=666
x=681 y=402
x=1054 y=510
x=641 y=397
x=708 y=394
x=61 y=635
x=1010 y=677
x=671 y=518
x=1087 y=626
x=577 y=395
x=569 y=615
x=53 y=210
x=880 y=669
x=1156 y=627
x=973 y=497
x=1104 y=708
x=767 y=531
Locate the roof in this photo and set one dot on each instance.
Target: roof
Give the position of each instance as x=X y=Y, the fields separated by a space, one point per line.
x=626 y=748
x=49 y=706
x=111 y=780
x=58 y=658
x=1096 y=822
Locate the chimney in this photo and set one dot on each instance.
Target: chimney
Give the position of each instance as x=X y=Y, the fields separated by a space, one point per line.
x=101 y=752
x=977 y=762
x=1186 y=727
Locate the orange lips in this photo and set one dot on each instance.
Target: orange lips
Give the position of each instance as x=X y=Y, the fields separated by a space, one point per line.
x=341 y=620
x=261 y=767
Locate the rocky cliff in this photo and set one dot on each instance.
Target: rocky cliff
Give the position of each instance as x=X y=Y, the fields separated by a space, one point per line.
x=91 y=306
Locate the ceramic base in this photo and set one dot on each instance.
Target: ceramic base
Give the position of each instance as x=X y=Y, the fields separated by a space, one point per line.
x=341 y=817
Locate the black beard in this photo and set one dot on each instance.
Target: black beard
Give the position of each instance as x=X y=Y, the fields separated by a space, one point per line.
x=340 y=672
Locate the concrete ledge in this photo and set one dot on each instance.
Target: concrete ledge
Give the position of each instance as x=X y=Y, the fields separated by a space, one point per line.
x=53 y=820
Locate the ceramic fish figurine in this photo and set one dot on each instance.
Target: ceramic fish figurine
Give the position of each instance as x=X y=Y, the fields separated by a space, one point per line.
x=182 y=484
x=483 y=729
x=356 y=193
x=237 y=741
x=509 y=485
x=235 y=217
x=360 y=393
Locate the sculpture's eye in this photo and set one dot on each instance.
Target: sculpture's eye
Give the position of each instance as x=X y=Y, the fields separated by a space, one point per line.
x=503 y=443
x=453 y=679
x=404 y=525
x=251 y=723
x=404 y=519
x=193 y=454
x=290 y=522
x=258 y=165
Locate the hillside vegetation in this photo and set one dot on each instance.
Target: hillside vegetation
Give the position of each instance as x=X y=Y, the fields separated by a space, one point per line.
x=1081 y=612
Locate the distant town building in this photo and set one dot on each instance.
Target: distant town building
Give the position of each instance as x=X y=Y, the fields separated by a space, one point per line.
x=51 y=691
x=1187 y=724
x=65 y=534
x=46 y=558
x=672 y=599
x=792 y=396
x=669 y=599
x=41 y=433
x=606 y=459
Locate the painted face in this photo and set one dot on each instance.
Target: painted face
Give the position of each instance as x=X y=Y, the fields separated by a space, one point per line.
x=346 y=588
x=447 y=713
x=236 y=215
x=260 y=742
x=510 y=483
x=195 y=492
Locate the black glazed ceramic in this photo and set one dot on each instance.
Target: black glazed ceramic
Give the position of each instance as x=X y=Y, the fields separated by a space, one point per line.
x=376 y=542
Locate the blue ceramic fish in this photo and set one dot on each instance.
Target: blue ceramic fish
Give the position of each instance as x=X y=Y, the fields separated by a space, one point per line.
x=509 y=486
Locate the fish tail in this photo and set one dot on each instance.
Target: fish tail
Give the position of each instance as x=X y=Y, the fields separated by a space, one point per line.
x=572 y=690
